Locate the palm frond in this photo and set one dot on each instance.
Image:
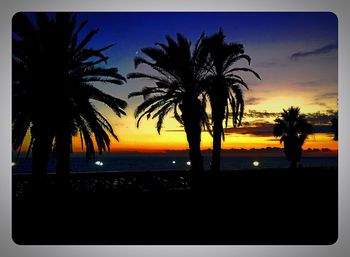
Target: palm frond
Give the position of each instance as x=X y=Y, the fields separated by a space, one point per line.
x=87 y=38
x=246 y=70
x=161 y=116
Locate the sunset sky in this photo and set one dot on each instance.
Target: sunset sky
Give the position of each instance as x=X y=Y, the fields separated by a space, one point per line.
x=296 y=55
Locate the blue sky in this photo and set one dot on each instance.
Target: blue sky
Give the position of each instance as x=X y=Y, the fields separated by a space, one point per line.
x=295 y=53
x=268 y=37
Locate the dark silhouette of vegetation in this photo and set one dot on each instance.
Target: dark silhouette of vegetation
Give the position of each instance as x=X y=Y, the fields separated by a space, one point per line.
x=177 y=87
x=53 y=75
x=334 y=126
x=185 y=80
x=293 y=129
x=223 y=87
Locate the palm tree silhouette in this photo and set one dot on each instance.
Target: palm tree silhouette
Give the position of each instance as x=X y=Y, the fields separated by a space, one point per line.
x=223 y=87
x=177 y=88
x=53 y=77
x=293 y=129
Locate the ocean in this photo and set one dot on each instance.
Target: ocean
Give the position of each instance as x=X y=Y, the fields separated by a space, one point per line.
x=115 y=163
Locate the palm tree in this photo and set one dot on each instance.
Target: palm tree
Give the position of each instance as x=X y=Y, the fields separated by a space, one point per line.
x=223 y=87
x=53 y=77
x=293 y=129
x=177 y=76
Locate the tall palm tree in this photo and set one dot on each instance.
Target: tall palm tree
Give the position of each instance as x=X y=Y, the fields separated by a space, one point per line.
x=293 y=129
x=53 y=77
x=176 y=76
x=223 y=87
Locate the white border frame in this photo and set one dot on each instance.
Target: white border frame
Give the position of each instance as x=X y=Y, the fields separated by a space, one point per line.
x=339 y=7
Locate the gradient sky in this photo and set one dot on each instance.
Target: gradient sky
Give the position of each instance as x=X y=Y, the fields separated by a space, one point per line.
x=296 y=55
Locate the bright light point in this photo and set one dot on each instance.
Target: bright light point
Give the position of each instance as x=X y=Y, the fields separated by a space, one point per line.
x=13 y=164
x=137 y=52
x=101 y=163
x=174 y=162
x=98 y=163
x=256 y=163
x=188 y=163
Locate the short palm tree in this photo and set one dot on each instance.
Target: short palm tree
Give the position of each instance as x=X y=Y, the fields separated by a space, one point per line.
x=53 y=77
x=293 y=129
x=223 y=87
x=176 y=76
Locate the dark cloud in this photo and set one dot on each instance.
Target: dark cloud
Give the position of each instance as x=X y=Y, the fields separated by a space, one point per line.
x=272 y=151
x=267 y=151
x=321 y=119
x=310 y=150
x=174 y=130
x=252 y=100
x=324 y=82
x=317 y=118
x=322 y=129
x=319 y=99
x=321 y=104
x=321 y=123
x=308 y=83
x=319 y=51
x=273 y=140
x=257 y=114
x=330 y=95
x=265 y=129
x=257 y=129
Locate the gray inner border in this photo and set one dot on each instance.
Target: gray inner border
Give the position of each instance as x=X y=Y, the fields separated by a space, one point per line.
x=339 y=7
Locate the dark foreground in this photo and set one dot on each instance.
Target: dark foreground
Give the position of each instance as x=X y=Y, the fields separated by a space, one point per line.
x=238 y=207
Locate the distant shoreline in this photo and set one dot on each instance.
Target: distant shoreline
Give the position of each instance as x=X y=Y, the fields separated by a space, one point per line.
x=117 y=164
x=234 y=152
x=164 y=171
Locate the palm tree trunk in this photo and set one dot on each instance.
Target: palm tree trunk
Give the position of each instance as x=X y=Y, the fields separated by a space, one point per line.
x=217 y=133
x=40 y=157
x=63 y=149
x=194 y=139
x=193 y=134
x=191 y=117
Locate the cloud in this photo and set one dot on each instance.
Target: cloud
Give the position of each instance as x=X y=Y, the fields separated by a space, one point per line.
x=260 y=115
x=310 y=150
x=319 y=51
x=315 y=117
x=320 y=99
x=322 y=129
x=321 y=119
x=328 y=95
x=174 y=130
x=252 y=100
x=310 y=83
x=257 y=129
x=254 y=152
x=321 y=122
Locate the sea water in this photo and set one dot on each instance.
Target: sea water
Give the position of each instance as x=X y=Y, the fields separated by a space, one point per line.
x=115 y=163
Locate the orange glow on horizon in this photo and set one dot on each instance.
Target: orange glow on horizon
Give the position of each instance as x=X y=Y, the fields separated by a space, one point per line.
x=172 y=136
x=177 y=141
